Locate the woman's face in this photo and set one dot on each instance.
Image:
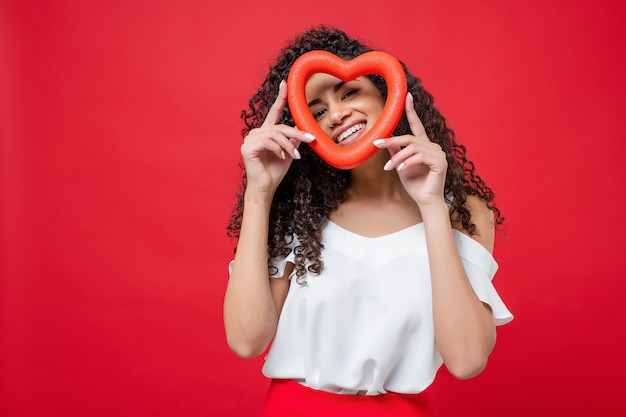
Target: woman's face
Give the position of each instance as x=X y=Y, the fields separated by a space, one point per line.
x=344 y=110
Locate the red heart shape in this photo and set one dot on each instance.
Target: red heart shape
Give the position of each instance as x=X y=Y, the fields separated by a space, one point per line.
x=373 y=62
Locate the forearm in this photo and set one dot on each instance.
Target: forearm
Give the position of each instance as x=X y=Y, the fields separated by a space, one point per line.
x=464 y=329
x=250 y=315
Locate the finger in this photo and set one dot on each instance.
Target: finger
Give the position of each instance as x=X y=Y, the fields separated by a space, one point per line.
x=287 y=137
x=392 y=148
x=398 y=158
x=401 y=154
x=252 y=149
x=279 y=141
x=393 y=144
x=291 y=144
x=414 y=121
x=294 y=133
x=273 y=115
x=432 y=157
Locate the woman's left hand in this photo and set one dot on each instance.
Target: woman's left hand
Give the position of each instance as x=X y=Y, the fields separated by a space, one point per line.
x=420 y=163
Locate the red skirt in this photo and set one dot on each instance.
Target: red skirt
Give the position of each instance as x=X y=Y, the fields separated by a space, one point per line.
x=288 y=398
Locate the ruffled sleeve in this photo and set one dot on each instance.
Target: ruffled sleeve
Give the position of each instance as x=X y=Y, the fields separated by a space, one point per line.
x=278 y=263
x=480 y=267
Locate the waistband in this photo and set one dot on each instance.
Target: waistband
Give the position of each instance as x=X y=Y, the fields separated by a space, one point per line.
x=288 y=398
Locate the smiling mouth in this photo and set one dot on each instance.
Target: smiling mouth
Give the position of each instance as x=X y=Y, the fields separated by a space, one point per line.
x=350 y=132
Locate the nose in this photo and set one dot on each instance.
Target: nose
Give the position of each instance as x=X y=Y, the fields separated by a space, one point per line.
x=337 y=113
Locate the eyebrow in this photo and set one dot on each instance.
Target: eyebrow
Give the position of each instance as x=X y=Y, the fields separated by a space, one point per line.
x=335 y=89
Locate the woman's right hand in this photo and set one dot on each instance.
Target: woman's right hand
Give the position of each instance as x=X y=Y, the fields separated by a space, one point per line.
x=268 y=151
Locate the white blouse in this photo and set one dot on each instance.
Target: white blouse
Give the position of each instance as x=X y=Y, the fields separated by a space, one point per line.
x=364 y=325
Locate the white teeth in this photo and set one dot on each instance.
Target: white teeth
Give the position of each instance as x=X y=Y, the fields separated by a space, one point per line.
x=350 y=131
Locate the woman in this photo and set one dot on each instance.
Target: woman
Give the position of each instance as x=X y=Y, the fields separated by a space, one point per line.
x=365 y=281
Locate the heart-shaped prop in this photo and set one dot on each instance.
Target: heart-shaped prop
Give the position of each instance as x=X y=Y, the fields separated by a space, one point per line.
x=373 y=62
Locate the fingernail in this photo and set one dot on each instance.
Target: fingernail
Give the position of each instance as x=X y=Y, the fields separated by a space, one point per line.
x=378 y=142
x=282 y=154
x=282 y=83
x=410 y=96
x=297 y=154
x=400 y=167
x=387 y=165
x=309 y=136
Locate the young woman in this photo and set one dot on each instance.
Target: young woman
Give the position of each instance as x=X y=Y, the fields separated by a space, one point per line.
x=364 y=281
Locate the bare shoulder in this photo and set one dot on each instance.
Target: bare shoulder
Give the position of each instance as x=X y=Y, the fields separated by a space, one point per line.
x=482 y=217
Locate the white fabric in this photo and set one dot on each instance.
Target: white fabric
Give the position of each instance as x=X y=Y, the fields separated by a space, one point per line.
x=364 y=325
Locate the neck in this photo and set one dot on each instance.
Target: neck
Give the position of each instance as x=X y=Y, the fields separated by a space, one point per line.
x=369 y=181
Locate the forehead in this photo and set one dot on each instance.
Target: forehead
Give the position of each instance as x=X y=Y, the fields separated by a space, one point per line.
x=322 y=82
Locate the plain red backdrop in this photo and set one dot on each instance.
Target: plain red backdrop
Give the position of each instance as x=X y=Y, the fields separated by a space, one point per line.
x=119 y=126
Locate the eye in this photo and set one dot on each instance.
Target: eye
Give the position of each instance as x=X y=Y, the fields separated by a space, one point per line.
x=349 y=93
x=319 y=113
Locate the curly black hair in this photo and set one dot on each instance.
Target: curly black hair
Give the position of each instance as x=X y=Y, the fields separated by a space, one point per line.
x=312 y=189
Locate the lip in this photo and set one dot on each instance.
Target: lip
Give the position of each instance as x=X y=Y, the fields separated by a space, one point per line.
x=352 y=137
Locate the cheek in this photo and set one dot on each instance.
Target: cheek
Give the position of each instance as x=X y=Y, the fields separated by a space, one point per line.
x=322 y=122
x=375 y=108
x=374 y=102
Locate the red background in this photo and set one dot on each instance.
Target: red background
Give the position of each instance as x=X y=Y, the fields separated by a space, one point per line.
x=120 y=127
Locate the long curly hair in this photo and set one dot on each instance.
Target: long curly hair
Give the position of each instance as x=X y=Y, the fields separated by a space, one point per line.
x=312 y=189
